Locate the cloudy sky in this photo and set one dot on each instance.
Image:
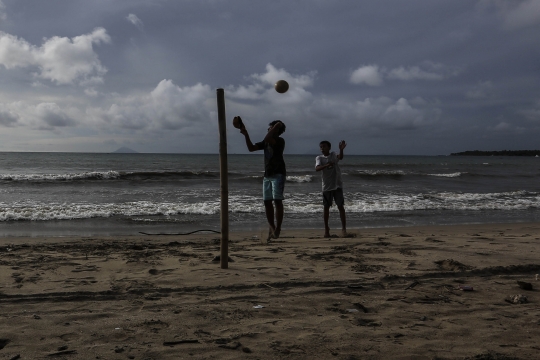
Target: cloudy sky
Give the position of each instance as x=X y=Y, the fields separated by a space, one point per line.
x=425 y=77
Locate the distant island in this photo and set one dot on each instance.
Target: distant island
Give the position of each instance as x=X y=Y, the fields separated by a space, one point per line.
x=498 y=153
x=125 y=150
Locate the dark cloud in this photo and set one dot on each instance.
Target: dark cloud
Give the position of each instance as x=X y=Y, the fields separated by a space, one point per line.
x=52 y=116
x=7 y=117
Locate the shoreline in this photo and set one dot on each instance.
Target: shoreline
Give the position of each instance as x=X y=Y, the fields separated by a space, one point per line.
x=386 y=293
x=296 y=232
x=106 y=227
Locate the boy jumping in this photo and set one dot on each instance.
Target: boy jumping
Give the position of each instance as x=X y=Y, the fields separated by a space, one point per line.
x=274 y=173
x=332 y=185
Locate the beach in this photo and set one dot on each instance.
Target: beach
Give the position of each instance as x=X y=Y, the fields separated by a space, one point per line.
x=419 y=292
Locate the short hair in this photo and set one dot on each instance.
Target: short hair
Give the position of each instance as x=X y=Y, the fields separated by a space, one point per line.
x=326 y=142
x=282 y=129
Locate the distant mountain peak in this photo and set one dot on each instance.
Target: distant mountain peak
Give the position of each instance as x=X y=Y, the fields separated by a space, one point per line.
x=125 y=150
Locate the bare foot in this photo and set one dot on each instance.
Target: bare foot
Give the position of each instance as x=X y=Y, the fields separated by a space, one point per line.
x=271 y=235
x=346 y=234
x=276 y=233
x=326 y=234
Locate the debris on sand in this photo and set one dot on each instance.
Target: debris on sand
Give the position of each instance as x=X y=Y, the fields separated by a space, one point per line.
x=517 y=299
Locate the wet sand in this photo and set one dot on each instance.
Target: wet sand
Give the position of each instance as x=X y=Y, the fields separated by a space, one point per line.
x=392 y=293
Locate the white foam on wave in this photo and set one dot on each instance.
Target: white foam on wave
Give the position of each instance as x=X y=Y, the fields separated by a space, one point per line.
x=381 y=172
x=518 y=200
x=300 y=178
x=294 y=204
x=451 y=175
x=70 y=211
x=402 y=173
x=395 y=202
x=61 y=177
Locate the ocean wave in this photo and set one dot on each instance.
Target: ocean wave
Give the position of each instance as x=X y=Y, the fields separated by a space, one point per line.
x=505 y=201
x=373 y=173
x=400 y=173
x=89 y=175
x=72 y=211
x=107 y=175
x=294 y=204
x=397 y=202
x=290 y=178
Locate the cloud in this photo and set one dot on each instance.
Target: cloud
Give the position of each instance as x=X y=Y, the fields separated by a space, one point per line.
x=52 y=116
x=15 y=52
x=502 y=126
x=7 y=116
x=401 y=115
x=134 y=19
x=167 y=107
x=481 y=91
x=171 y=111
x=91 y=92
x=381 y=114
x=262 y=86
x=373 y=75
x=413 y=73
x=318 y=114
x=60 y=59
x=190 y=111
x=273 y=74
x=532 y=114
x=526 y=13
x=368 y=74
x=43 y=116
x=515 y=14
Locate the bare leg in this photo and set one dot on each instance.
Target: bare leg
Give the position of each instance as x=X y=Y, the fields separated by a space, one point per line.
x=326 y=216
x=279 y=217
x=343 y=220
x=269 y=209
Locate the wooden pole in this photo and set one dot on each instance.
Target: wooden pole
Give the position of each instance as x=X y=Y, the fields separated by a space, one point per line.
x=224 y=180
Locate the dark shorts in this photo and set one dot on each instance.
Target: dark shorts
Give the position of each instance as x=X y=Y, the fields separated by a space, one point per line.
x=336 y=195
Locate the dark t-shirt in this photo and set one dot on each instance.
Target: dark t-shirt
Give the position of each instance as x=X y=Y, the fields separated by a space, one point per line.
x=273 y=157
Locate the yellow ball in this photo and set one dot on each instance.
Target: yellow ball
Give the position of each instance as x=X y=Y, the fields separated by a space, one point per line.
x=281 y=86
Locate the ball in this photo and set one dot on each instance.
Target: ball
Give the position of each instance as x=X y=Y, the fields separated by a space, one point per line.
x=237 y=122
x=281 y=86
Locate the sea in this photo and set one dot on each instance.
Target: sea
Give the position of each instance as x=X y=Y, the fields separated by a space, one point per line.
x=91 y=194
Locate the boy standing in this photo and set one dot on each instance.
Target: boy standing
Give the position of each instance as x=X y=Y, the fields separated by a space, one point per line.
x=332 y=185
x=274 y=173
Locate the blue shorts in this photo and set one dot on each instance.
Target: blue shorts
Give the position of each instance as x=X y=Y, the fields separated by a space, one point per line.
x=273 y=187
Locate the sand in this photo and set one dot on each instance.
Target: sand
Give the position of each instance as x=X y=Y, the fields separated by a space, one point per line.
x=391 y=293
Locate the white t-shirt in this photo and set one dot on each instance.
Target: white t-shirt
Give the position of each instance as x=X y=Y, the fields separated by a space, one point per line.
x=331 y=176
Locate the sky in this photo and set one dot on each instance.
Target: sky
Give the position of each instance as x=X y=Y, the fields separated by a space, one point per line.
x=390 y=77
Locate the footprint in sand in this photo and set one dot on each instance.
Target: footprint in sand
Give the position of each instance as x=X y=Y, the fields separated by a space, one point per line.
x=157 y=272
x=85 y=268
x=4 y=342
x=430 y=239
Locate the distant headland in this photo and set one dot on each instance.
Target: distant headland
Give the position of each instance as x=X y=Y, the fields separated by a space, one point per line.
x=125 y=150
x=498 y=153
